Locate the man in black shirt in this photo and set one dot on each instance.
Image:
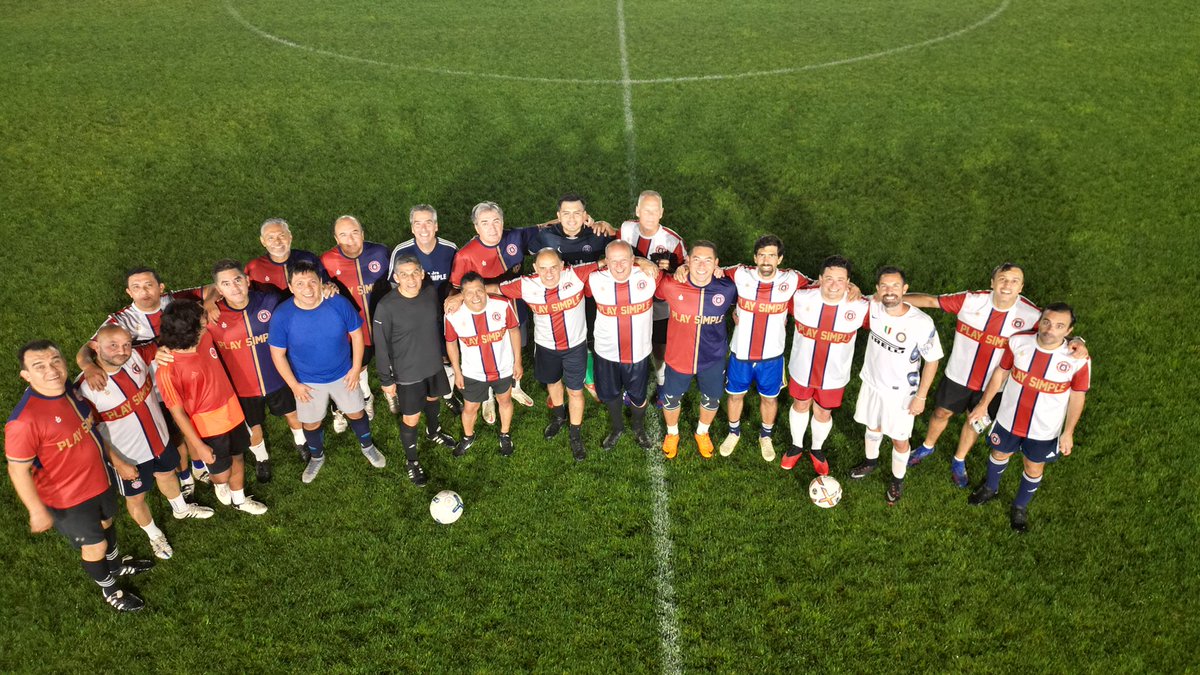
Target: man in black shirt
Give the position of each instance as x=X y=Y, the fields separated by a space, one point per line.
x=408 y=349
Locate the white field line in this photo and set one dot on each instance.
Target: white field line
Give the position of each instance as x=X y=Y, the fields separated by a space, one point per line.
x=627 y=93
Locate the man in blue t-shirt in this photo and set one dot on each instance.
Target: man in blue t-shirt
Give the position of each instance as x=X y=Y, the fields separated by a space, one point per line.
x=317 y=346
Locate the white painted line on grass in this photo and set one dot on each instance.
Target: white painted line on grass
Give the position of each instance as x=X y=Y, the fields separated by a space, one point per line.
x=664 y=576
x=627 y=93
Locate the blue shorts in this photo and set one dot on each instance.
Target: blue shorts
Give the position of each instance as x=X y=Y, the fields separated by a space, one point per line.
x=711 y=382
x=1004 y=441
x=167 y=462
x=614 y=379
x=766 y=376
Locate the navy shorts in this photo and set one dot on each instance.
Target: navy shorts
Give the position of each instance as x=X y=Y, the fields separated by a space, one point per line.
x=80 y=524
x=614 y=379
x=167 y=462
x=1004 y=441
x=711 y=382
x=568 y=365
x=476 y=391
x=766 y=376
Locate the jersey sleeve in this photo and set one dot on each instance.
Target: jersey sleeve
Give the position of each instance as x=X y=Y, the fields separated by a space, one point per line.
x=660 y=291
x=348 y=312
x=510 y=318
x=459 y=267
x=584 y=272
x=1006 y=361
x=196 y=293
x=952 y=302
x=511 y=289
x=1082 y=381
x=931 y=348
x=166 y=387
x=277 y=330
x=451 y=334
x=529 y=237
x=20 y=442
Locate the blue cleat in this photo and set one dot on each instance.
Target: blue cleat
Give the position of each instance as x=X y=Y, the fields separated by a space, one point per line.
x=958 y=472
x=919 y=454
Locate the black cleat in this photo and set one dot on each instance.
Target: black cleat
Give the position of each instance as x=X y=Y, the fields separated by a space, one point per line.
x=893 y=492
x=455 y=404
x=506 y=445
x=123 y=601
x=982 y=495
x=610 y=441
x=643 y=440
x=1019 y=519
x=441 y=438
x=577 y=449
x=463 y=446
x=262 y=469
x=305 y=455
x=555 y=426
x=416 y=474
x=130 y=567
x=865 y=469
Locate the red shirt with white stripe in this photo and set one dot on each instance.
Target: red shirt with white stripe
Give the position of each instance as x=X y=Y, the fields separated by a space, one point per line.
x=143 y=327
x=981 y=333
x=1040 y=382
x=762 y=309
x=131 y=418
x=485 y=351
x=664 y=243
x=364 y=277
x=559 y=320
x=624 y=325
x=823 y=346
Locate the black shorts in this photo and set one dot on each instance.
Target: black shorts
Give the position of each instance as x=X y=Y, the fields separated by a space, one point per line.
x=568 y=365
x=280 y=402
x=614 y=379
x=958 y=399
x=80 y=524
x=167 y=462
x=476 y=391
x=226 y=446
x=659 y=332
x=413 y=396
x=368 y=353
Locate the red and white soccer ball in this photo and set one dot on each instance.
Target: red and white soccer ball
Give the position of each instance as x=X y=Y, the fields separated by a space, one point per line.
x=825 y=491
x=446 y=507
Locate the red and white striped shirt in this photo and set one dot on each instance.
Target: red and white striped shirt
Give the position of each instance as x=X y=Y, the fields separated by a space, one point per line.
x=143 y=327
x=131 y=417
x=559 y=321
x=485 y=351
x=663 y=244
x=762 y=309
x=981 y=333
x=1040 y=382
x=624 y=325
x=824 y=343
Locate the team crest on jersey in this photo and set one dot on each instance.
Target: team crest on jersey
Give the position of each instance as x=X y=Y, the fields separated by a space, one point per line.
x=511 y=249
x=137 y=370
x=1018 y=323
x=850 y=314
x=264 y=315
x=901 y=337
x=783 y=287
x=57 y=419
x=660 y=249
x=495 y=316
x=374 y=266
x=213 y=351
x=587 y=248
x=266 y=277
x=994 y=439
x=1063 y=366
x=718 y=300
x=641 y=285
x=337 y=273
x=224 y=325
x=568 y=286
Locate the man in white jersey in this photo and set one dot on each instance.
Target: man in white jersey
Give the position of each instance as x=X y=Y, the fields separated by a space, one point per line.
x=135 y=429
x=1045 y=388
x=827 y=324
x=894 y=388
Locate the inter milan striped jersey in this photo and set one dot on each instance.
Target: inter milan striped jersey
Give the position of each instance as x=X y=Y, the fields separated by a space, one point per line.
x=485 y=351
x=197 y=382
x=494 y=263
x=696 y=334
x=624 y=324
x=762 y=310
x=241 y=338
x=437 y=264
x=895 y=347
x=266 y=272
x=823 y=346
x=363 y=279
x=58 y=434
x=131 y=418
x=143 y=326
x=559 y=322
x=1040 y=382
x=981 y=333
x=664 y=244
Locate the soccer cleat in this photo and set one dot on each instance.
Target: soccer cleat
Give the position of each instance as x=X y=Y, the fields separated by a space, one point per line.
x=893 y=492
x=201 y=475
x=489 y=411
x=124 y=602
x=339 y=422
x=729 y=444
x=440 y=438
x=416 y=474
x=555 y=426
x=1018 y=518
x=262 y=469
x=767 y=446
x=463 y=446
x=251 y=506
x=520 y=396
x=919 y=454
x=162 y=548
x=393 y=404
x=302 y=450
x=643 y=439
x=454 y=403
x=610 y=441
x=374 y=456
x=820 y=465
x=704 y=444
x=506 y=445
x=369 y=406
x=193 y=511
x=958 y=472
x=670 y=446
x=577 y=449
x=982 y=495
x=131 y=567
x=313 y=468
x=221 y=490
x=187 y=488
x=865 y=469
x=790 y=458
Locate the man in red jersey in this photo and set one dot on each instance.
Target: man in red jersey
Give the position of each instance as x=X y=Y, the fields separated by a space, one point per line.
x=272 y=270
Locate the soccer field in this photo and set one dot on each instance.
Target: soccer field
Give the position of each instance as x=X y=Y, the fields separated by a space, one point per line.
x=943 y=137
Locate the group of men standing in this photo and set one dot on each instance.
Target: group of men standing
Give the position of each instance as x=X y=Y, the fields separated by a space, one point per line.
x=191 y=374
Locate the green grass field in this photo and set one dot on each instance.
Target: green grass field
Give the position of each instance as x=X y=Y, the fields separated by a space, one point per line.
x=1062 y=135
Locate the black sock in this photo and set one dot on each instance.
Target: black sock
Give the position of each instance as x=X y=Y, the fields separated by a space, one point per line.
x=616 y=414
x=113 y=555
x=576 y=431
x=638 y=416
x=408 y=438
x=99 y=572
x=433 y=424
x=560 y=412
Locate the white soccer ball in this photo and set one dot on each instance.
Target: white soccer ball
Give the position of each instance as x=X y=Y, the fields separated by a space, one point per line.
x=825 y=492
x=446 y=507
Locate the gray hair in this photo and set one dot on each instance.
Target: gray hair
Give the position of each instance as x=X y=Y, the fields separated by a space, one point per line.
x=648 y=193
x=421 y=207
x=486 y=206
x=273 y=221
x=619 y=243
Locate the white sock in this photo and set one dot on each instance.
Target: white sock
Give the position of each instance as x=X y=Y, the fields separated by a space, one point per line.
x=178 y=504
x=899 y=463
x=799 y=422
x=701 y=428
x=660 y=373
x=363 y=384
x=152 y=530
x=820 y=431
x=259 y=451
x=237 y=496
x=298 y=436
x=871 y=444
x=673 y=430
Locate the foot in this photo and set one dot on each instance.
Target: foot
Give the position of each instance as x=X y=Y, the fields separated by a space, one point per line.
x=455 y=404
x=416 y=474
x=161 y=547
x=729 y=444
x=982 y=495
x=610 y=441
x=251 y=506
x=893 y=492
x=1019 y=518
x=506 y=445
x=820 y=465
x=393 y=404
x=302 y=450
x=369 y=406
x=374 y=456
x=577 y=449
x=555 y=426
x=130 y=567
x=958 y=472
x=489 y=411
x=643 y=439
x=124 y=602
x=221 y=490
x=339 y=422
x=863 y=470
x=919 y=454
x=313 y=468
x=262 y=469
x=187 y=488
x=463 y=446
x=704 y=444
x=670 y=446
x=441 y=438
x=193 y=511
x=520 y=396
x=767 y=447
x=790 y=457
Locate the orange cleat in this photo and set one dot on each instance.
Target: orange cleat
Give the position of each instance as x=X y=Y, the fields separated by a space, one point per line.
x=670 y=446
x=704 y=442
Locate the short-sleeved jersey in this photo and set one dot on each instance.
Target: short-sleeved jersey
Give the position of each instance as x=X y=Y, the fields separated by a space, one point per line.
x=131 y=418
x=241 y=339
x=266 y=272
x=585 y=247
x=980 y=333
x=895 y=348
x=317 y=340
x=624 y=325
x=494 y=263
x=143 y=327
x=363 y=279
x=696 y=333
x=664 y=244
x=1039 y=386
x=58 y=434
x=437 y=264
x=197 y=382
x=559 y=321
x=485 y=351
x=762 y=311
x=823 y=347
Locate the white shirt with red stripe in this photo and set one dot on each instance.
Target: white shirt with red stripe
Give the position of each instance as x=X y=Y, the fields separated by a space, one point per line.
x=624 y=325
x=762 y=309
x=663 y=243
x=143 y=327
x=485 y=351
x=823 y=346
x=129 y=409
x=981 y=332
x=559 y=319
x=1040 y=382
x=892 y=364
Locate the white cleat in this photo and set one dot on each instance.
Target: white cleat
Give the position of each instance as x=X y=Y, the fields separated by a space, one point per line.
x=520 y=396
x=193 y=511
x=222 y=492
x=251 y=506
x=489 y=411
x=729 y=444
x=162 y=549
x=374 y=456
x=768 y=448
x=201 y=475
x=312 y=469
x=339 y=422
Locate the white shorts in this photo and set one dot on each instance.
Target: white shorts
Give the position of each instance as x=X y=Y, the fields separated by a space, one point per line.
x=887 y=412
x=348 y=401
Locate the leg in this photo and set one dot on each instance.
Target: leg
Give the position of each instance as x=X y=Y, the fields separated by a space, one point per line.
x=504 y=404
x=555 y=389
x=937 y=424
x=733 y=408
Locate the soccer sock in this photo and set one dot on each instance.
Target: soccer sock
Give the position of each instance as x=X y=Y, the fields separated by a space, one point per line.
x=616 y=414
x=113 y=555
x=766 y=430
x=152 y=530
x=638 y=417
x=315 y=440
x=560 y=412
x=701 y=428
x=871 y=445
x=576 y=431
x=98 y=571
x=178 y=504
x=673 y=429
x=820 y=431
x=185 y=476
x=995 y=471
x=735 y=427
x=799 y=422
x=433 y=421
x=197 y=465
x=408 y=438
x=362 y=429
x=259 y=451
x=1025 y=491
x=363 y=384
x=298 y=436
x=237 y=496
x=899 y=463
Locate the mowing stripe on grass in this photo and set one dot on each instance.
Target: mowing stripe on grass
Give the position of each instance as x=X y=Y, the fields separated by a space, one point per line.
x=627 y=93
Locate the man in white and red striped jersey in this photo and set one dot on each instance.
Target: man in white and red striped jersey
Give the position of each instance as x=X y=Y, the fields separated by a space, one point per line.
x=1045 y=387
x=483 y=341
x=827 y=324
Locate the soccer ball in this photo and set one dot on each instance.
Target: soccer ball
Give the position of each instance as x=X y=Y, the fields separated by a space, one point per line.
x=446 y=507
x=825 y=492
